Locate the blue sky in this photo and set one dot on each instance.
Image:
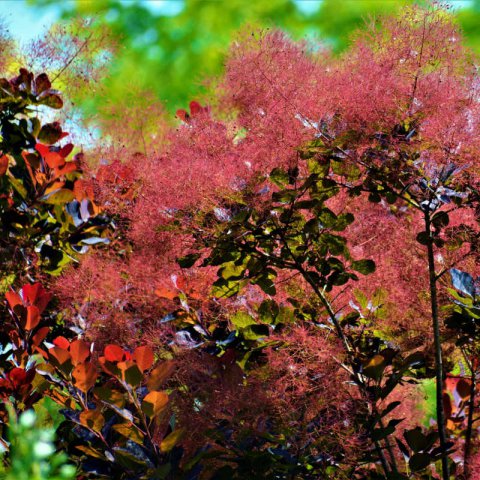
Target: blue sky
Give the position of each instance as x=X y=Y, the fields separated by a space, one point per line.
x=27 y=22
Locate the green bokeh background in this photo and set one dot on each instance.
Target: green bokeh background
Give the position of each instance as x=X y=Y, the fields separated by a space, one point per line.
x=170 y=47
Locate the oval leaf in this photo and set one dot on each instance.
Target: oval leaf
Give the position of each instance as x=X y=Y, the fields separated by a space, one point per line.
x=143 y=357
x=85 y=375
x=171 y=440
x=154 y=403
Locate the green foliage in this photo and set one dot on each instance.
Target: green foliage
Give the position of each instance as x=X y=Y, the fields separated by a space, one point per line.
x=170 y=54
x=32 y=452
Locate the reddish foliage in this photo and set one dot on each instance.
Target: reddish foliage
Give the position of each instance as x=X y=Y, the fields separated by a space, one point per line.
x=276 y=96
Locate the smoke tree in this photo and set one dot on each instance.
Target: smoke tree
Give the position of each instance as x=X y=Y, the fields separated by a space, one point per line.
x=285 y=267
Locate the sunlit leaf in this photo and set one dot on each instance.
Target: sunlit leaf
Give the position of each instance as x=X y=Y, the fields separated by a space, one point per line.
x=154 y=403
x=114 y=353
x=128 y=430
x=80 y=351
x=59 y=197
x=32 y=318
x=61 y=342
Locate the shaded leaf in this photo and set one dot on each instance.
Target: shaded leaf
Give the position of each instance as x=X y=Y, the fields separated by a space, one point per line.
x=159 y=374
x=79 y=351
x=92 y=419
x=419 y=461
x=171 y=440
x=85 y=375
x=143 y=357
x=128 y=430
x=364 y=266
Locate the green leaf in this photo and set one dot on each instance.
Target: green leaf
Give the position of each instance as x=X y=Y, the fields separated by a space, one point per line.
x=231 y=271
x=127 y=459
x=128 y=430
x=133 y=375
x=391 y=197
x=59 y=197
x=171 y=440
x=284 y=196
x=364 y=266
x=188 y=260
x=266 y=284
x=327 y=218
x=242 y=320
x=225 y=289
x=254 y=332
x=343 y=221
x=18 y=186
x=279 y=177
x=268 y=311
x=335 y=243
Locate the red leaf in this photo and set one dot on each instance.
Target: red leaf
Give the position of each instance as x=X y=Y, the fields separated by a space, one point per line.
x=17 y=376
x=65 y=169
x=66 y=150
x=40 y=336
x=3 y=165
x=42 y=149
x=42 y=83
x=62 y=343
x=53 y=159
x=463 y=388
x=13 y=299
x=85 y=375
x=143 y=356
x=80 y=351
x=195 y=108
x=82 y=190
x=60 y=355
x=36 y=295
x=183 y=115
x=33 y=317
x=113 y=353
x=447 y=405
x=166 y=293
